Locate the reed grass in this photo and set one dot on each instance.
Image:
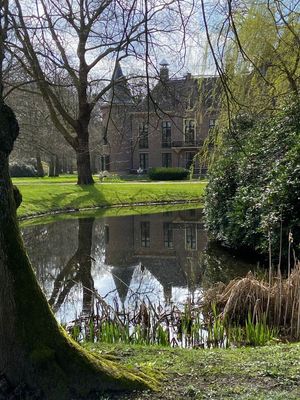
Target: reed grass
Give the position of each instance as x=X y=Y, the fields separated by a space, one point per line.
x=273 y=304
x=248 y=311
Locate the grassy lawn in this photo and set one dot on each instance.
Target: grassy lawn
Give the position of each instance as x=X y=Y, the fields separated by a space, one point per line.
x=41 y=195
x=265 y=373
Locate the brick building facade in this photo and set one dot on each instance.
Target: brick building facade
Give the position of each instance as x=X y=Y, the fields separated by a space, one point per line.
x=167 y=128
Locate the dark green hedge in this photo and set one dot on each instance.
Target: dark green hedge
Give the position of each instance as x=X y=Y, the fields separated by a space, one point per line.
x=168 y=174
x=22 y=170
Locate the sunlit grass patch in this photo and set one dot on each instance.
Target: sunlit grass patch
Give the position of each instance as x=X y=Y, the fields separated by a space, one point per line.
x=63 y=196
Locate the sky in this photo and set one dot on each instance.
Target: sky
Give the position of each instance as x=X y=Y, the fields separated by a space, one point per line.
x=184 y=50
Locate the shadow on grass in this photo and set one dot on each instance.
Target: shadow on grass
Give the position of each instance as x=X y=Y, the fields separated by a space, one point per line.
x=51 y=198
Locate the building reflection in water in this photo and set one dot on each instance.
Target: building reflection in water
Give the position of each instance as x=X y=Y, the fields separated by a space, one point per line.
x=167 y=245
x=160 y=257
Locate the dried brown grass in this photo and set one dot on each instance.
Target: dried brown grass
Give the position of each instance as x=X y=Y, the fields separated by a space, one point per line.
x=277 y=300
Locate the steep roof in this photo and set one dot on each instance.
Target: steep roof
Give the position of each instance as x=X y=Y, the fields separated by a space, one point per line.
x=119 y=94
x=179 y=94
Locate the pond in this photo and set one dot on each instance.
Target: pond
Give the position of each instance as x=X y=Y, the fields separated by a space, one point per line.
x=163 y=258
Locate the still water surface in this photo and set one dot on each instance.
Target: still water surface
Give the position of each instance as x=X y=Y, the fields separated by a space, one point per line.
x=163 y=257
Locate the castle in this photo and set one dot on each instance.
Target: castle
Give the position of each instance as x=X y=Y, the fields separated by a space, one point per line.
x=164 y=129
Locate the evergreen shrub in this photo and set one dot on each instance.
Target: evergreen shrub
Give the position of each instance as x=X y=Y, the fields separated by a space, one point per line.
x=253 y=194
x=22 y=170
x=168 y=174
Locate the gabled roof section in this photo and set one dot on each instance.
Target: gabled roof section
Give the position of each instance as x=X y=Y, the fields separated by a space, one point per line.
x=179 y=94
x=119 y=94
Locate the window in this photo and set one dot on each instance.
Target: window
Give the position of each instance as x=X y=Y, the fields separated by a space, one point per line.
x=166 y=159
x=211 y=123
x=189 y=129
x=144 y=161
x=143 y=136
x=166 y=134
x=189 y=158
x=105 y=163
x=168 y=235
x=191 y=237
x=145 y=234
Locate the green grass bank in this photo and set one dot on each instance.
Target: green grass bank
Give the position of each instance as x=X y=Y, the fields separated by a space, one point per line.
x=261 y=373
x=46 y=195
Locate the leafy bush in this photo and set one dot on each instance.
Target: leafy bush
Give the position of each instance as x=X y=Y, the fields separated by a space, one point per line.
x=168 y=174
x=21 y=170
x=254 y=185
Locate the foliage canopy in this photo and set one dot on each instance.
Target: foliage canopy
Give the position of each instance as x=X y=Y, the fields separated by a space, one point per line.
x=254 y=186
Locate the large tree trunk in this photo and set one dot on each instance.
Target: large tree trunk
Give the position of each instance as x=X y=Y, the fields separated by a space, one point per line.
x=57 y=168
x=84 y=171
x=51 y=172
x=34 y=349
x=39 y=166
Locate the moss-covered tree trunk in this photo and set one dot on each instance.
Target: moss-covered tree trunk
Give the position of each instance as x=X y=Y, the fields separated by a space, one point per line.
x=34 y=349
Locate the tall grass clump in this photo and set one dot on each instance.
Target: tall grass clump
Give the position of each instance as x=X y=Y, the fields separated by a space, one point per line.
x=273 y=304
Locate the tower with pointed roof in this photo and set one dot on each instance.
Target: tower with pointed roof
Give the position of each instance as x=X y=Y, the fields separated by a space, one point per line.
x=116 y=130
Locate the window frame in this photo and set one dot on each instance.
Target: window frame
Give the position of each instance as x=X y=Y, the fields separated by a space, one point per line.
x=168 y=233
x=166 y=134
x=145 y=234
x=143 y=137
x=145 y=161
x=185 y=121
x=190 y=239
x=168 y=158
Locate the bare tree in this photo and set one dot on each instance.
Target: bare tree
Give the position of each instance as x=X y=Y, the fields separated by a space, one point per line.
x=34 y=350
x=40 y=140
x=71 y=43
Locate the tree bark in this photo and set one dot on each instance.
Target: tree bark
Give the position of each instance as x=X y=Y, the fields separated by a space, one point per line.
x=51 y=172
x=84 y=171
x=39 y=166
x=57 y=168
x=34 y=349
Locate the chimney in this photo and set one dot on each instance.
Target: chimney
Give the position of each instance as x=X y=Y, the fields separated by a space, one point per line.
x=164 y=70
